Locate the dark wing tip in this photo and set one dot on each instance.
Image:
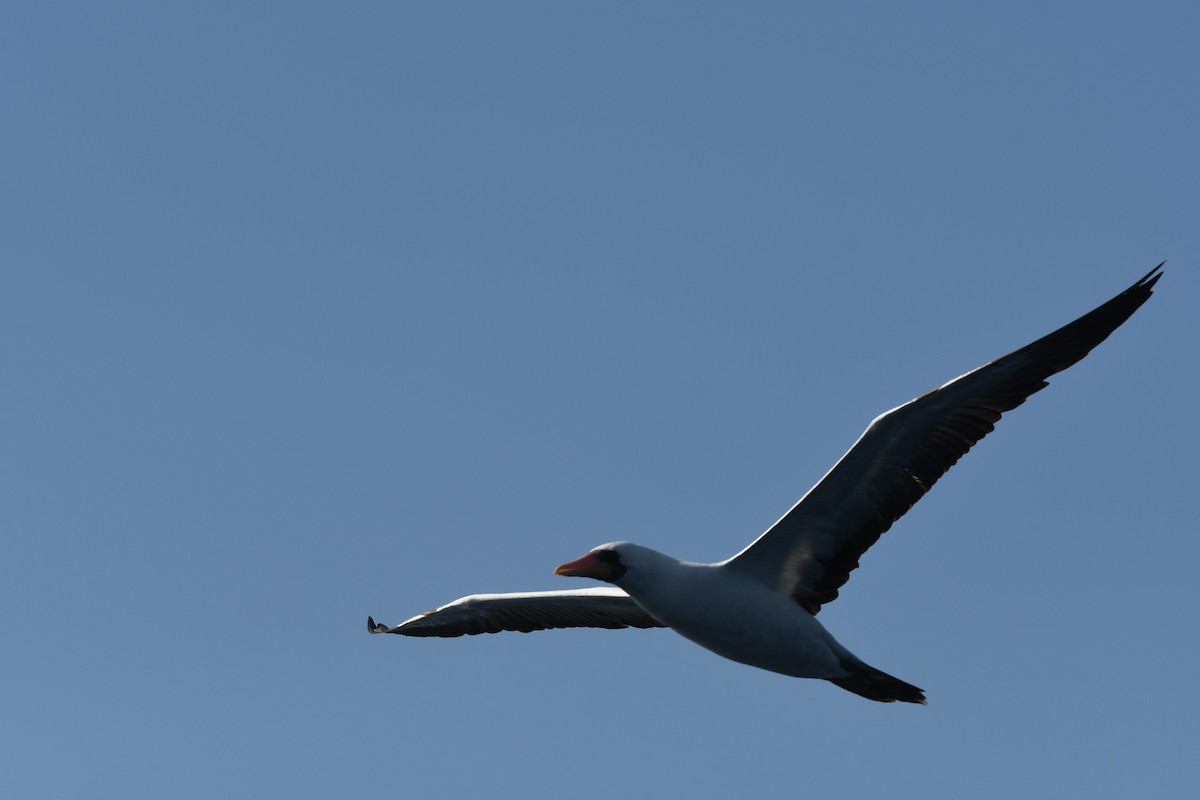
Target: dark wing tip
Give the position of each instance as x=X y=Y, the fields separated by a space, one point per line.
x=1151 y=277
x=1146 y=282
x=376 y=627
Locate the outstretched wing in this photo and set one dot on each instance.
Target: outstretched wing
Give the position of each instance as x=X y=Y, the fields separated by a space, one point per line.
x=603 y=607
x=810 y=552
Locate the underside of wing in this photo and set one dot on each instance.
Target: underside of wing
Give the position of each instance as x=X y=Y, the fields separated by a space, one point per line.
x=810 y=552
x=603 y=607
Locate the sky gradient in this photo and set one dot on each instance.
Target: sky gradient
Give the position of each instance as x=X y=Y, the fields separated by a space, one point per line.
x=316 y=312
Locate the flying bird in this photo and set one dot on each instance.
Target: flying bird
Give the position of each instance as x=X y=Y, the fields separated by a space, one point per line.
x=759 y=607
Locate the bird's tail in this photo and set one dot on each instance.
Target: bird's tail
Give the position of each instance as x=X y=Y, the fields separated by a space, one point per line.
x=875 y=685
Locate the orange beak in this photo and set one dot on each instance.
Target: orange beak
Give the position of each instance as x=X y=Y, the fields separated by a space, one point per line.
x=587 y=567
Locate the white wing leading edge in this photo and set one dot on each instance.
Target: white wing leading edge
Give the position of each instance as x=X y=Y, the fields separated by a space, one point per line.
x=602 y=607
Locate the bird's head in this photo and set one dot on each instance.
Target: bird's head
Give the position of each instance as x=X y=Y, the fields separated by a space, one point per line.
x=608 y=562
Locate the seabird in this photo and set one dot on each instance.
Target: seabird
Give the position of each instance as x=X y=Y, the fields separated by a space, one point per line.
x=759 y=607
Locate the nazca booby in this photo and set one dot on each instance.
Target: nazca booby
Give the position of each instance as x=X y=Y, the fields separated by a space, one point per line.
x=759 y=607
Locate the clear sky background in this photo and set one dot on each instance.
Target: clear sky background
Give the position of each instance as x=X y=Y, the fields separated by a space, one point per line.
x=310 y=312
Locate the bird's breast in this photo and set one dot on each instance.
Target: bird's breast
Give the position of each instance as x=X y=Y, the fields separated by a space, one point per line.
x=742 y=621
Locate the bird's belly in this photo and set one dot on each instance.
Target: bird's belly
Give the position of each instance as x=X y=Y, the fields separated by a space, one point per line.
x=772 y=633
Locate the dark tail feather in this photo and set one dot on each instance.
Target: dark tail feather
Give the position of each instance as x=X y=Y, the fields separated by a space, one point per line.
x=875 y=685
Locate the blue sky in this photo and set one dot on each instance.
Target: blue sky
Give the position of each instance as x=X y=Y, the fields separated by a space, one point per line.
x=320 y=311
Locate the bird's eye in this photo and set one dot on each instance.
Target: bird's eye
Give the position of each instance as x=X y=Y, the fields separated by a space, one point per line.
x=611 y=557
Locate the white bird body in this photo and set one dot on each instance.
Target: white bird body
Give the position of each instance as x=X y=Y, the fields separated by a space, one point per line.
x=731 y=614
x=759 y=607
